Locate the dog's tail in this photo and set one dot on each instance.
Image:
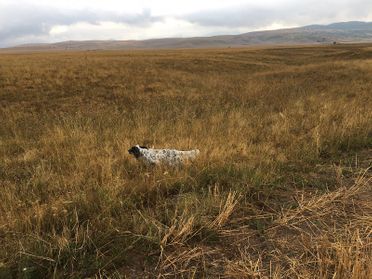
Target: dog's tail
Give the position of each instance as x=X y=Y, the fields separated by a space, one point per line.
x=194 y=153
x=191 y=154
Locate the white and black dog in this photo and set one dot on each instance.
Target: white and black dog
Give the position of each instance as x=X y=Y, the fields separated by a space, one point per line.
x=171 y=157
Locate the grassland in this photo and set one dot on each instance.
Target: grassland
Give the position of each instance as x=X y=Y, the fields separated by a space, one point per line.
x=282 y=188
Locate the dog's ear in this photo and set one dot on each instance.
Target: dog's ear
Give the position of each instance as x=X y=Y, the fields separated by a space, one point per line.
x=144 y=147
x=135 y=151
x=131 y=150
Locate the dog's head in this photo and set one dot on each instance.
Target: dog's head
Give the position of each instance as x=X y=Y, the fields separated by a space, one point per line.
x=136 y=150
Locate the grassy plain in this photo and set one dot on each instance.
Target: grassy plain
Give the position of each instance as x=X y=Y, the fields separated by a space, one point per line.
x=282 y=188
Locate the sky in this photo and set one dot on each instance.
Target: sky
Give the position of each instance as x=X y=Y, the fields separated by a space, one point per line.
x=46 y=21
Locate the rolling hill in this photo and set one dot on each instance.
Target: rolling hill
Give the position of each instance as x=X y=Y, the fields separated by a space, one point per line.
x=344 y=32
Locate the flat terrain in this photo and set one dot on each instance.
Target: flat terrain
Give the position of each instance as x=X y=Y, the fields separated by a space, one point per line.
x=282 y=187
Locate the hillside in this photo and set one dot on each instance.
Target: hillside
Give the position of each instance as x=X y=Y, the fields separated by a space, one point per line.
x=282 y=187
x=347 y=32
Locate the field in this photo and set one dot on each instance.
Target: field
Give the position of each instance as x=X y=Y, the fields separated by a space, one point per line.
x=282 y=187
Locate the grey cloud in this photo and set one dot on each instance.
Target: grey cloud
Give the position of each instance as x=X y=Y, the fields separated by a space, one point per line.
x=20 y=24
x=289 y=12
x=35 y=21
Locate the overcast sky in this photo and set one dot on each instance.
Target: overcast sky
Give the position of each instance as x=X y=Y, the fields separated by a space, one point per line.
x=34 y=21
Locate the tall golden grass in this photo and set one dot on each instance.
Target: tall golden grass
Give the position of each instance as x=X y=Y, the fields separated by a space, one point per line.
x=282 y=188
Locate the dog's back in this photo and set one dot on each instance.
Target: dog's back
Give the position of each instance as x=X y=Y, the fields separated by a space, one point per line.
x=171 y=157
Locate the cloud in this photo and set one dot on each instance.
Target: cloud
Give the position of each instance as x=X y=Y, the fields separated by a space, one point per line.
x=286 y=12
x=25 y=22
x=19 y=24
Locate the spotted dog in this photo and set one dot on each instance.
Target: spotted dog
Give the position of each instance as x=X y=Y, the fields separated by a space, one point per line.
x=171 y=157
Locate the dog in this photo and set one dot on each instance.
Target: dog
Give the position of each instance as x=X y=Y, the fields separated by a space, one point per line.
x=170 y=157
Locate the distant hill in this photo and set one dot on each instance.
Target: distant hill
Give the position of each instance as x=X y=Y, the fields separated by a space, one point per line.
x=344 y=32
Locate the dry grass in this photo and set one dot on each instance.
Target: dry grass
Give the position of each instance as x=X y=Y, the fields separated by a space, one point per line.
x=282 y=188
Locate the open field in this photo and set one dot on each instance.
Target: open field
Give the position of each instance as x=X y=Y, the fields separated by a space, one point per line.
x=282 y=188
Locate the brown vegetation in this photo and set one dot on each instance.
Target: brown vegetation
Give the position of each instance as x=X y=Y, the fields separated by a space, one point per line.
x=282 y=188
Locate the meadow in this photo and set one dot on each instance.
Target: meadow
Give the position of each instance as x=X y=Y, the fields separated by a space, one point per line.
x=282 y=187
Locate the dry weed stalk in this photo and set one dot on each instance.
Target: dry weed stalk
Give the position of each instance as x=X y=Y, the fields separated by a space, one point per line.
x=226 y=209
